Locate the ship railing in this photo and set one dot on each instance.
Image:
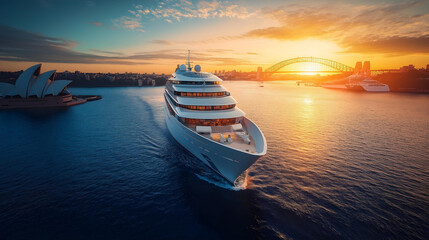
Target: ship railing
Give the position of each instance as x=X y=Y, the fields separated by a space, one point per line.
x=235 y=128
x=219 y=133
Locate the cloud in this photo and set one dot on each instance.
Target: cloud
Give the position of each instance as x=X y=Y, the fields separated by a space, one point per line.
x=105 y=52
x=172 y=11
x=352 y=26
x=19 y=45
x=390 y=45
x=219 y=50
x=299 y=25
x=184 y=2
x=98 y=24
x=161 y=42
x=130 y=23
x=24 y=46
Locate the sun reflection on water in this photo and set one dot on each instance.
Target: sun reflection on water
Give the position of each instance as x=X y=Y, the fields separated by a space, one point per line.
x=308 y=100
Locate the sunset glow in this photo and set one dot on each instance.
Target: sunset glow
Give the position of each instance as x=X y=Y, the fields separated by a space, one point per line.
x=153 y=36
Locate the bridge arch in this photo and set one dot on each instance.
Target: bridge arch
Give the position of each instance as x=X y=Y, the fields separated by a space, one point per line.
x=333 y=64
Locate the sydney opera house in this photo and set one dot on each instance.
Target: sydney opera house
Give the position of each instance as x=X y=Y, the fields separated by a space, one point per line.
x=35 y=89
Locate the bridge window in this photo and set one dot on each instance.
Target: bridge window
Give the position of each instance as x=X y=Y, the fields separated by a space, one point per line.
x=196 y=74
x=201 y=94
x=195 y=82
x=207 y=108
x=208 y=122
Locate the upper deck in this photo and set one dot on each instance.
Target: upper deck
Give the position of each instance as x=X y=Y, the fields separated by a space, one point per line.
x=189 y=76
x=203 y=101
x=197 y=88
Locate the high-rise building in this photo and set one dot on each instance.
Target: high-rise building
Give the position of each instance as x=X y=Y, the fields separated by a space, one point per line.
x=407 y=68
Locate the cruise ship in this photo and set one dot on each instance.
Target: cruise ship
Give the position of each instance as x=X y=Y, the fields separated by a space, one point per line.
x=203 y=117
x=367 y=85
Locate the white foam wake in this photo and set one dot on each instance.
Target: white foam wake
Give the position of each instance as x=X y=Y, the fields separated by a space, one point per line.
x=240 y=183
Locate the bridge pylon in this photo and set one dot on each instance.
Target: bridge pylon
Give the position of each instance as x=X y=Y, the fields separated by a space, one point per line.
x=259 y=74
x=364 y=70
x=358 y=67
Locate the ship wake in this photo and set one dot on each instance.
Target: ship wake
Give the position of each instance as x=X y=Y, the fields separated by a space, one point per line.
x=239 y=184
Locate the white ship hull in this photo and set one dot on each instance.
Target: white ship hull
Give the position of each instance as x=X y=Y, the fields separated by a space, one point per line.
x=228 y=162
x=383 y=88
x=368 y=86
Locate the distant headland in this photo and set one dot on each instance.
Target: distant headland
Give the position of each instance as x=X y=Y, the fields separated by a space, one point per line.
x=405 y=79
x=81 y=79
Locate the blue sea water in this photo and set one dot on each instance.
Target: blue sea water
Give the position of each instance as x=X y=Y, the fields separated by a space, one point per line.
x=340 y=165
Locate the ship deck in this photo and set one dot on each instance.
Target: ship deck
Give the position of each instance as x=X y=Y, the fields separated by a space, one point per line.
x=237 y=140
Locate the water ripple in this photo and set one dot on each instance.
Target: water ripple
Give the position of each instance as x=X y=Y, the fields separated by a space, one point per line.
x=339 y=166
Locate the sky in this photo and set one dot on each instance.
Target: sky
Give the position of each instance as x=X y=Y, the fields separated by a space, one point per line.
x=154 y=36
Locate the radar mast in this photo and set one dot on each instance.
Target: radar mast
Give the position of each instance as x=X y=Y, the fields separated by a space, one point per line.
x=189 y=61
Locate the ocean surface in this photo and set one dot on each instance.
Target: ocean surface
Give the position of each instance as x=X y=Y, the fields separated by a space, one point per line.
x=340 y=165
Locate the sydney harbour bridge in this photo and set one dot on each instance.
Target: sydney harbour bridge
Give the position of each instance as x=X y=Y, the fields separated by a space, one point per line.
x=328 y=66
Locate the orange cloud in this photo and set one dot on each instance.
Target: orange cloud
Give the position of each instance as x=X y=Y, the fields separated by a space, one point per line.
x=300 y=24
x=378 y=28
x=391 y=45
x=130 y=23
x=98 y=24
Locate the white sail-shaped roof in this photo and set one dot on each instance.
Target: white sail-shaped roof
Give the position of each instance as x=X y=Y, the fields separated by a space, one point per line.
x=13 y=92
x=41 y=83
x=6 y=88
x=32 y=83
x=55 y=87
x=23 y=80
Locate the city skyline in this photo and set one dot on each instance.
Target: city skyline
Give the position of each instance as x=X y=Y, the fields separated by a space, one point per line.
x=152 y=36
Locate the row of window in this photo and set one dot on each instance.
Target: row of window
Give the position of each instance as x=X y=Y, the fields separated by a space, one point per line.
x=195 y=82
x=201 y=94
x=203 y=122
x=202 y=108
x=169 y=108
x=208 y=122
x=207 y=108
